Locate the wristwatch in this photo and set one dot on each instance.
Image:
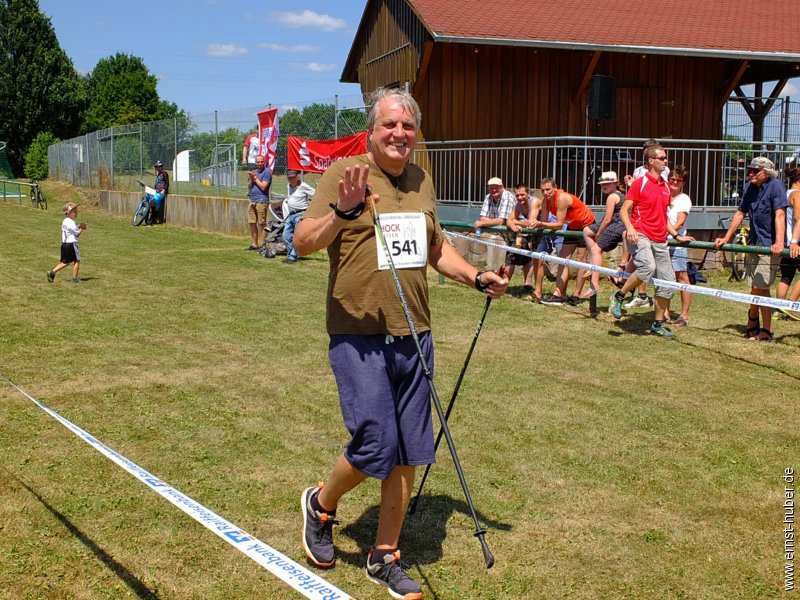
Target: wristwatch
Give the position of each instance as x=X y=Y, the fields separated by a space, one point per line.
x=479 y=285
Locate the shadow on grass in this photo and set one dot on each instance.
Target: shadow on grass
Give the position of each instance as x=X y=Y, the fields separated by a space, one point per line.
x=423 y=532
x=636 y=324
x=136 y=586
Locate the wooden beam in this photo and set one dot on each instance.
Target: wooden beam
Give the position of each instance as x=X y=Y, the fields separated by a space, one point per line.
x=422 y=71
x=747 y=106
x=587 y=75
x=774 y=95
x=733 y=84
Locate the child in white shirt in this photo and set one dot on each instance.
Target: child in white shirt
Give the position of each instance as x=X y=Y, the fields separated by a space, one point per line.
x=70 y=232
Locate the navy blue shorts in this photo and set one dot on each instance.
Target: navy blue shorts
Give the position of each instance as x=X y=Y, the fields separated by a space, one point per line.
x=69 y=253
x=385 y=400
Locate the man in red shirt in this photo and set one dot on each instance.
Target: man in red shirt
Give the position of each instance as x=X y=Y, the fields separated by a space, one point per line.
x=644 y=214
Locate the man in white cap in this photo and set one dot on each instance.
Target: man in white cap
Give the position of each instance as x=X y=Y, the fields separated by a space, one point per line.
x=294 y=207
x=496 y=206
x=764 y=201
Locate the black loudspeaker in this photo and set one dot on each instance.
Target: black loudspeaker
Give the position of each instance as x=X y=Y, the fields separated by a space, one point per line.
x=602 y=90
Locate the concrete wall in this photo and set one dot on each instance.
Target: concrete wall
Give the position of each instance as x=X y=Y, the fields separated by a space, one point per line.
x=206 y=213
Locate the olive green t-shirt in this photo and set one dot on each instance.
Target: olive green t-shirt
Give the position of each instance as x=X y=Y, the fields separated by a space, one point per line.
x=361 y=298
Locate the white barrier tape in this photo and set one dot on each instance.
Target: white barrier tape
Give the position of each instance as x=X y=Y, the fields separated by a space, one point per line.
x=683 y=287
x=284 y=568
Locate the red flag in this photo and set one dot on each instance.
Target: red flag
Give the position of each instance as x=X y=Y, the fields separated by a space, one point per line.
x=317 y=155
x=268 y=134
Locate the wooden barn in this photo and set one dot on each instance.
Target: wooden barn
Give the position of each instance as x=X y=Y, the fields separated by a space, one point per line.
x=520 y=68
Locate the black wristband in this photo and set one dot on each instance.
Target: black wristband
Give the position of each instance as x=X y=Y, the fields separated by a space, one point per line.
x=479 y=285
x=350 y=215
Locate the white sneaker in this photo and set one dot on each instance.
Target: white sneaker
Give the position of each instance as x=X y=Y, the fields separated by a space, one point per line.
x=639 y=301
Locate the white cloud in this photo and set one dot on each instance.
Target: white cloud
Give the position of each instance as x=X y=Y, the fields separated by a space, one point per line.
x=316 y=67
x=287 y=107
x=308 y=18
x=225 y=50
x=792 y=88
x=296 y=49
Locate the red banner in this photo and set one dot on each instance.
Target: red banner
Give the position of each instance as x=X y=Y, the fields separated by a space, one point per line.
x=317 y=155
x=268 y=134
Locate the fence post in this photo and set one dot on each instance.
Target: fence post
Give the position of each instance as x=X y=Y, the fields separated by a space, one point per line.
x=174 y=153
x=785 y=136
x=705 y=179
x=469 y=178
x=336 y=116
x=112 y=158
x=216 y=143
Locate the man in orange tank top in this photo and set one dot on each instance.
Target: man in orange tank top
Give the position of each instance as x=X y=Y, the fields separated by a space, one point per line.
x=570 y=210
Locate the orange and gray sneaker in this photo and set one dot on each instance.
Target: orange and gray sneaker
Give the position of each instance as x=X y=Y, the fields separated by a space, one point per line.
x=317 y=530
x=389 y=572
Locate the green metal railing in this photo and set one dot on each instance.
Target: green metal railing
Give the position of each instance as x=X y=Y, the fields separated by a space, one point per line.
x=579 y=234
x=13 y=189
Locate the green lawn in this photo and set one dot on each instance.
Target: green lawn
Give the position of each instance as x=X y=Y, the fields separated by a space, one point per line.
x=605 y=463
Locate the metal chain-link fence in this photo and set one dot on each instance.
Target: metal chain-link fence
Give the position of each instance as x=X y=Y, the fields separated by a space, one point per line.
x=780 y=127
x=202 y=153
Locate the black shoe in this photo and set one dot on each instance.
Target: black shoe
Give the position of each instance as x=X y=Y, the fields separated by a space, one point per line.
x=289 y=261
x=317 y=531
x=390 y=574
x=552 y=300
x=574 y=301
x=51 y=276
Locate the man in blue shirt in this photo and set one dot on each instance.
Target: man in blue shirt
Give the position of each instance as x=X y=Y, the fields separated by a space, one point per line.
x=258 y=186
x=764 y=201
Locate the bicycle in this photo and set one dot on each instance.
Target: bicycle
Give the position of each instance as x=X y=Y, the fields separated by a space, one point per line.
x=143 y=208
x=736 y=258
x=38 y=199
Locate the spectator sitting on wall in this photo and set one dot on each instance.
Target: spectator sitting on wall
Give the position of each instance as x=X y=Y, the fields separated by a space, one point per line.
x=497 y=205
x=294 y=208
x=569 y=210
x=519 y=219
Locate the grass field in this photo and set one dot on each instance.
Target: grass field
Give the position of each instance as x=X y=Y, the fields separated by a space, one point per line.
x=605 y=463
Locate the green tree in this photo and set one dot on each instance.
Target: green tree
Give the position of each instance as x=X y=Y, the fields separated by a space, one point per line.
x=39 y=87
x=122 y=90
x=203 y=144
x=36 y=158
x=316 y=122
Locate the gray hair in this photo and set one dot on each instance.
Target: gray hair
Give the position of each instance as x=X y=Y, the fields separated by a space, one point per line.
x=405 y=99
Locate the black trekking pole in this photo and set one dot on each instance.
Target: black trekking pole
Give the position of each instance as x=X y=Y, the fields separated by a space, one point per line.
x=412 y=508
x=480 y=533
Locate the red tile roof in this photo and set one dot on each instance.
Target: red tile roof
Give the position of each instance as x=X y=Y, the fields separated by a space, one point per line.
x=724 y=28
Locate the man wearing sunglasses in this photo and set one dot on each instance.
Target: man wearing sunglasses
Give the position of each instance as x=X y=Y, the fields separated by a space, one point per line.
x=644 y=214
x=764 y=201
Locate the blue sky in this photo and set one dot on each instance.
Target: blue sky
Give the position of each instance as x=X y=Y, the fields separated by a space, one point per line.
x=218 y=54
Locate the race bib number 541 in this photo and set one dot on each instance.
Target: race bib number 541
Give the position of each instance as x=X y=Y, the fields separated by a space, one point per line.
x=407 y=238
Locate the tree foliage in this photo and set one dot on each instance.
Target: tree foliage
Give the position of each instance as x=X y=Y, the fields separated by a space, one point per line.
x=36 y=158
x=121 y=91
x=203 y=144
x=39 y=87
x=317 y=122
